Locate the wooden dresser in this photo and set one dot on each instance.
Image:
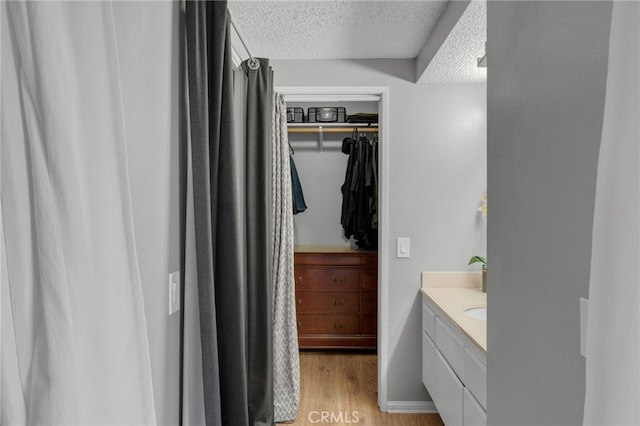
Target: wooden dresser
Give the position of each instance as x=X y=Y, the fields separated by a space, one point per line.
x=336 y=298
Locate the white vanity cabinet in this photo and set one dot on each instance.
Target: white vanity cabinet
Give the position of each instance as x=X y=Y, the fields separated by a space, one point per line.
x=453 y=369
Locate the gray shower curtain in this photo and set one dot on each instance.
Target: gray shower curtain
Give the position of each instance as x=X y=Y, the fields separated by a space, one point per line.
x=258 y=237
x=286 y=360
x=232 y=243
x=217 y=220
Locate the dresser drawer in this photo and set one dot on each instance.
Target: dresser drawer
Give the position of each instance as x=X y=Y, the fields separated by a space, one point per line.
x=370 y=324
x=328 y=259
x=369 y=303
x=370 y=258
x=328 y=324
x=327 y=302
x=369 y=280
x=327 y=279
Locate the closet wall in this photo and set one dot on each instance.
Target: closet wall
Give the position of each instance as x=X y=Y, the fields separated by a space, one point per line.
x=322 y=174
x=437 y=175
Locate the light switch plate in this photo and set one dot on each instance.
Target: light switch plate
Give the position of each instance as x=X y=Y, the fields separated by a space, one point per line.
x=403 y=247
x=174 y=292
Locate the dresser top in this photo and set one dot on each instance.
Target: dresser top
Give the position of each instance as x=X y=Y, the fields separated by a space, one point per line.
x=328 y=249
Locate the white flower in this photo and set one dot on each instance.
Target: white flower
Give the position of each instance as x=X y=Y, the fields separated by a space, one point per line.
x=483 y=205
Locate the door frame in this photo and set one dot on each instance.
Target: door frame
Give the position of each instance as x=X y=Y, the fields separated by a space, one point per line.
x=355 y=93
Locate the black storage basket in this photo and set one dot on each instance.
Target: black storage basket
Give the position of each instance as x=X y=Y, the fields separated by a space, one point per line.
x=326 y=114
x=295 y=115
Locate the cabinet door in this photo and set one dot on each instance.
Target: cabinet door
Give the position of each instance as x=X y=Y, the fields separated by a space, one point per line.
x=475 y=376
x=429 y=360
x=474 y=415
x=428 y=321
x=449 y=393
x=449 y=345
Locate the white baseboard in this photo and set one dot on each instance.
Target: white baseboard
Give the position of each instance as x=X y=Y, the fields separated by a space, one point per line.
x=411 y=407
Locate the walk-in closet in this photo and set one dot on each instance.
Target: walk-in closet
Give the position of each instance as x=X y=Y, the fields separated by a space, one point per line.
x=334 y=141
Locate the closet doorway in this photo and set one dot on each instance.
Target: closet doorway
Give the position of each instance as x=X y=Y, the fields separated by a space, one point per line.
x=321 y=248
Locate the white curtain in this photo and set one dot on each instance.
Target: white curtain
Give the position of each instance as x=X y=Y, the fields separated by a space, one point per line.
x=286 y=362
x=74 y=338
x=613 y=332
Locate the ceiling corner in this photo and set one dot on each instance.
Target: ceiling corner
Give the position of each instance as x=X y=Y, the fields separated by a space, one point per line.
x=441 y=30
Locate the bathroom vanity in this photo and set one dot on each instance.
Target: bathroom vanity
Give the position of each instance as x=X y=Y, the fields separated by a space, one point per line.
x=454 y=346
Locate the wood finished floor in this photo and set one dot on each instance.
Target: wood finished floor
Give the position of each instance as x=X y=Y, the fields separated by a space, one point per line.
x=338 y=388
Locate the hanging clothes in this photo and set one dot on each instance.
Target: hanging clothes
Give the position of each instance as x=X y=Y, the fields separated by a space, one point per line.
x=298 y=202
x=374 y=161
x=358 y=193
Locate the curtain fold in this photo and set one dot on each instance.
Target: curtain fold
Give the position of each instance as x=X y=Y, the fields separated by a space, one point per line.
x=258 y=136
x=217 y=218
x=74 y=337
x=613 y=331
x=286 y=361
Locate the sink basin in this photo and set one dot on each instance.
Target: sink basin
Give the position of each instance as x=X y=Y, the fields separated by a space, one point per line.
x=477 y=313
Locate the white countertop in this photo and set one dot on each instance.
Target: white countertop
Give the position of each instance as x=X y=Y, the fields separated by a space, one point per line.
x=453 y=301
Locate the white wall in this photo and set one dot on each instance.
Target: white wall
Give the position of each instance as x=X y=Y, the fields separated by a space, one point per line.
x=149 y=61
x=546 y=89
x=322 y=174
x=437 y=155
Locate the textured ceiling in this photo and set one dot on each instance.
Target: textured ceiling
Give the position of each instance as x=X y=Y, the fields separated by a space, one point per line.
x=343 y=29
x=364 y=29
x=456 y=60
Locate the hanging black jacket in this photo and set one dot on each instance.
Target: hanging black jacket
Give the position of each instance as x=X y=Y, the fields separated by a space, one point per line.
x=358 y=202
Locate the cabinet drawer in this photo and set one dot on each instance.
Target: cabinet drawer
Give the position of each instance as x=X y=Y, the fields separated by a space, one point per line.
x=327 y=258
x=369 y=303
x=475 y=377
x=327 y=302
x=370 y=258
x=449 y=394
x=327 y=279
x=369 y=325
x=429 y=360
x=474 y=414
x=369 y=280
x=428 y=321
x=328 y=324
x=450 y=346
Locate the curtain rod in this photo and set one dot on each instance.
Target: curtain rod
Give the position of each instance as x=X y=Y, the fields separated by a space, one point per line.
x=253 y=63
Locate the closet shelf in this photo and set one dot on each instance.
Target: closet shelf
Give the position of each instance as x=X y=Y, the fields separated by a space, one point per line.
x=332 y=127
x=321 y=128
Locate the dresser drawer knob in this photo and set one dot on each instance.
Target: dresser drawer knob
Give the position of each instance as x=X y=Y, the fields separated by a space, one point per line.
x=299 y=301
x=299 y=279
x=338 y=280
x=337 y=324
x=335 y=302
x=299 y=323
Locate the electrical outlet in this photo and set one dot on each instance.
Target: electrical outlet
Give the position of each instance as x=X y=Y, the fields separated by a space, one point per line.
x=174 y=292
